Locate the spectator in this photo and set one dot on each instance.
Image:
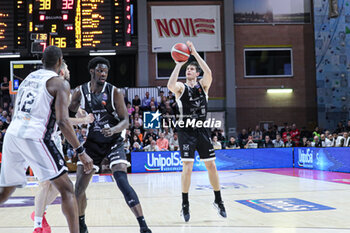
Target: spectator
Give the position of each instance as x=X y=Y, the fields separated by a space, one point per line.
x=284 y=135
x=289 y=142
x=317 y=132
x=284 y=128
x=6 y=106
x=326 y=133
x=331 y=142
x=171 y=99
x=5 y=91
x=145 y=101
x=162 y=142
x=135 y=139
x=155 y=103
x=139 y=135
x=323 y=140
x=136 y=147
x=148 y=140
x=277 y=143
x=168 y=109
x=137 y=111
x=344 y=141
x=168 y=133
x=270 y=132
x=152 y=147
x=136 y=120
x=335 y=138
x=242 y=137
x=316 y=142
x=305 y=142
x=151 y=132
x=232 y=144
x=340 y=127
x=162 y=105
x=160 y=97
x=295 y=134
x=267 y=143
x=257 y=133
x=250 y=143
x=130 y=109
x=216 y=144
x=136 y=101
x=219 y=134
x=174 y=143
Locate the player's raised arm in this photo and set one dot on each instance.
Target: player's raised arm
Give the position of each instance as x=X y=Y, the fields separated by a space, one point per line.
x=173 y=85
x=207 y=75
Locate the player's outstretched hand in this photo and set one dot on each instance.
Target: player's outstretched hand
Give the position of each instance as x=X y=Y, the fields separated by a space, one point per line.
x=89 y=118
x=87 y=162
x=191 y=47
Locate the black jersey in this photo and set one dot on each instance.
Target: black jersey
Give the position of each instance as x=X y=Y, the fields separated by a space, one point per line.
x=193 y=103
x=101 y=105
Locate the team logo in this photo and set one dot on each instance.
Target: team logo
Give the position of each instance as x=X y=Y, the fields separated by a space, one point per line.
x=151 y=120
x=186 y=147
x=104 y=96
x=61 y=162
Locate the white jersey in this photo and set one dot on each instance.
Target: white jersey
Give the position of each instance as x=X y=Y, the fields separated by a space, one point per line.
x=34 y=112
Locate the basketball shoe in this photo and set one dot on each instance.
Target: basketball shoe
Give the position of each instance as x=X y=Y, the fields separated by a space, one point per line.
x=185 y=212
x=45 y=226
x=221 y=209
x=145 y=230
x=38 y=230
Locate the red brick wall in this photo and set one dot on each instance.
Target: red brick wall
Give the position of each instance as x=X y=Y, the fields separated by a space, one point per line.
x=254 y=104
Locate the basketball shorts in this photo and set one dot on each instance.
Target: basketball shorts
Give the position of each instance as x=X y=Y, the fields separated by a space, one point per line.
x=98 y=151
x=43 y=157
x=198 y=139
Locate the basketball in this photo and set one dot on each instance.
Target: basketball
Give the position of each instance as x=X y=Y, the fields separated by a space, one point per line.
x=180 y=52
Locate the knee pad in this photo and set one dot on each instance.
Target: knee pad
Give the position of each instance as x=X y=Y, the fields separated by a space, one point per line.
x=124 y=186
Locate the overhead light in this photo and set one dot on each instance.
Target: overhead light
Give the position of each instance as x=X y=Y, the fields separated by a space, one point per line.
x=9 y=55
x=280 y=91
x=102 y=53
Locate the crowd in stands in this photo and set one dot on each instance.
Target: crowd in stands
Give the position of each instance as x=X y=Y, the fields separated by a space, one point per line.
x=166 y=139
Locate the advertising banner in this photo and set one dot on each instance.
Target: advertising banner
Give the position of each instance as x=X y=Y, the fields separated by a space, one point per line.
x=170 y=161
x=175 y=24
x=272 y=11
x=326 y=159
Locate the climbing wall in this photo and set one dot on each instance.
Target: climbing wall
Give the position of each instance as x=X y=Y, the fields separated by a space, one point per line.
x=332 y=42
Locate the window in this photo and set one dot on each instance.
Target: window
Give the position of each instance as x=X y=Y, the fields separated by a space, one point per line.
x=165 y=65
x=267 y=63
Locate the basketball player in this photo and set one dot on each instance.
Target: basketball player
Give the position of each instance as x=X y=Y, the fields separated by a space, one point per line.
x=47 y=193
x=42 y=103
x=192 y=100
x=104 y=139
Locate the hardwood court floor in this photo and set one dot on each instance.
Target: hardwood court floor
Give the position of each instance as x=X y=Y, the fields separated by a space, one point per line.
x=160 y=196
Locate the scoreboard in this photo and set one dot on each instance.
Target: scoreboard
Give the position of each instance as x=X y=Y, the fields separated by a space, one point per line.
x=73 y=25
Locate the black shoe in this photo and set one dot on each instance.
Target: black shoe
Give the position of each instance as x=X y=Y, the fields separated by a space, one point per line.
x=83 y=228
x=221 y=208
x=185 y=212
x=145 y=230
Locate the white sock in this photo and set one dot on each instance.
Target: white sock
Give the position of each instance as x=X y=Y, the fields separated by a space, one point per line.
x=38 y=222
